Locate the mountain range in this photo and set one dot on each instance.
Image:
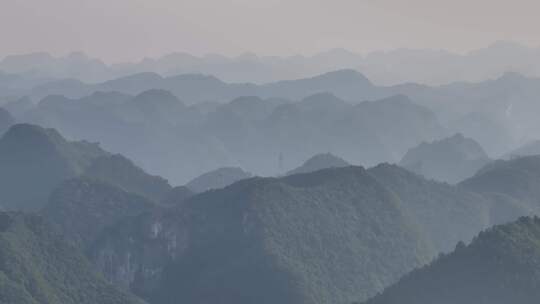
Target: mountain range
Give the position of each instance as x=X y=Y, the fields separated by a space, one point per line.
x=297 y=239
x=338 y=234
x=262 y=136
x=499 y=266
x=385 y=67
x=252 y=179
x=497 y=112
x=451 y=159
x=35 y=161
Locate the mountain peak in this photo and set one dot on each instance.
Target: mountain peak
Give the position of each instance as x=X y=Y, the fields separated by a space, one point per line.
x=345 y=76
x=319 y=162
x=450 y=159
x=156 y=94
x=217 y=179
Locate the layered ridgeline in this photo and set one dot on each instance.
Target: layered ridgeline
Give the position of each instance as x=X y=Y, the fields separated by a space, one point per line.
x=529 y=149
x=391 y=66
x=334 y=235
x=35 y=160
x=500 y=266
x=217 y=179
x=123 y=173
x=319 y=162
x=37 y=267
x=6 y=121
x=303 y=238
x=486 y=111
x=262 y=136
x=274 y=238
x=513 y=183
x=446 y=214
x=451 y=160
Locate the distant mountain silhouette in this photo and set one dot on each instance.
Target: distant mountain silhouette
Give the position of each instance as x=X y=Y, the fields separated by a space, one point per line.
x=500 y=266
x=384 y=67
x=319 y=162
x=529 y=149
x=43 y=65
x=195 y=88
x=217 y=179
x=451 y=160
x=483 y=111
x=487 y=111
x=176 y=141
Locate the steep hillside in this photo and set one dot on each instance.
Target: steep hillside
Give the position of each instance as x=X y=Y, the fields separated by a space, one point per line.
x=517 y=179
x=82 y=209
x=500 y=266
x=318 y=162
x=445 y=213
x=177 y=195
x=217 y=179
x=451 y=160
x=123 y=173
x=37 y=267
x=34 y=160
x=331 y=236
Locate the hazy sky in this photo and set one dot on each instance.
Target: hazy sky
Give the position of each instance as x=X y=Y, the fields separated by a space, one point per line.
x=120 y=30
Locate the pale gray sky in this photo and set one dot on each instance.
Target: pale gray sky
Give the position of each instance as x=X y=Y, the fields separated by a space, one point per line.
x=121 y=30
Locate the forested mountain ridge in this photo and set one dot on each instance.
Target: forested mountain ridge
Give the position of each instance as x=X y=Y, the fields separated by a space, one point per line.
x=446 y=214
x=82 y=208
x=298 y=239
x=516 y=179
x=38 y=267
x=500 y=266
x=122 y=172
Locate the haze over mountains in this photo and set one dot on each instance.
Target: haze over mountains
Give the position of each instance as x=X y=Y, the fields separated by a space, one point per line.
x=451 y=159
x=335 y=178
x=248 y=132
x=497 y=113
x=383 y=67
